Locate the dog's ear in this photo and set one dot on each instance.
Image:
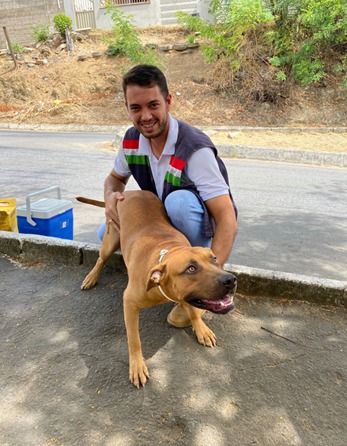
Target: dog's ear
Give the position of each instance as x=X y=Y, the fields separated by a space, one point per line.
x=155 y=275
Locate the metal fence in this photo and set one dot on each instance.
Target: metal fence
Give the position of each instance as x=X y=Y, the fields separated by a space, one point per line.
x=104 y=3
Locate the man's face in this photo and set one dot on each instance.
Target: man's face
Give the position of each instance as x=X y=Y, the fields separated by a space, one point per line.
x=148 y=109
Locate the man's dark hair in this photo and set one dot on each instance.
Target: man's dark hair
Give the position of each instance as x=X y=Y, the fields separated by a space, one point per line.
x=146 y=76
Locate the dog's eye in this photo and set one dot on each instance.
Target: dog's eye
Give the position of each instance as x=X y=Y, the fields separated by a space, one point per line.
x=214 y=259
x=191 y=269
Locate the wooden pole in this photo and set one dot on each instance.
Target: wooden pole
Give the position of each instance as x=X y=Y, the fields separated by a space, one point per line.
x=10 y=46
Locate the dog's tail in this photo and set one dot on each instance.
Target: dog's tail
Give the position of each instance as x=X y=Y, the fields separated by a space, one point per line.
x=100 y=204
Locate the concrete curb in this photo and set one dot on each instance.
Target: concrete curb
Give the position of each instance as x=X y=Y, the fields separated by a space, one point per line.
x=251 y=281
x=228 y=150
x=284 y=155
x=117 y=128
x=64 y=128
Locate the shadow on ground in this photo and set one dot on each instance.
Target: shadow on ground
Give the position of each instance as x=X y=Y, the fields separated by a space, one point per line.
x=64 y=368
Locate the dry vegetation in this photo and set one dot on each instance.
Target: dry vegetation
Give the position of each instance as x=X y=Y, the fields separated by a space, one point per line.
x=68 y=91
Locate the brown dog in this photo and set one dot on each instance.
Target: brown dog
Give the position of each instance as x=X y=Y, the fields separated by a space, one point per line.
x=162 y=266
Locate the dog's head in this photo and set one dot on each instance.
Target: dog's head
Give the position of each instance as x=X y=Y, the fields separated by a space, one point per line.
x=193 y=275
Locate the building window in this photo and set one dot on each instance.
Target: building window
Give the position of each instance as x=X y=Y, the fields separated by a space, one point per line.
x=104 y=3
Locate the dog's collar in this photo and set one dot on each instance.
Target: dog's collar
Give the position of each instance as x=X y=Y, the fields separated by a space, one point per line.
x=162 y=254
x=165 y=295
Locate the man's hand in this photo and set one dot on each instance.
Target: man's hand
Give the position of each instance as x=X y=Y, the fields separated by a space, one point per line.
x=113 y=188
x=110 y=209
x=223 y=213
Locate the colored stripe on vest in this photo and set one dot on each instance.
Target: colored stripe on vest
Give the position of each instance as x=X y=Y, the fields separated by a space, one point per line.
x=172 y=179
x=130 y=144
x=176 y=163
x=137 y=159
x=174 y=172
x=129 y=152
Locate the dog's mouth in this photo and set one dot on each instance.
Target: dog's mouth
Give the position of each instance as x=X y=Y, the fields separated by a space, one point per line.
x=220 y=306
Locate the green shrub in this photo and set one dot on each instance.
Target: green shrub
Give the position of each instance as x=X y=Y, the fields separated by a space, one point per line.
x=125 y=40
x=234 y=43
x=191 y=38
x=284 y=40
x=62 y=23
x=41 y=32
x=324 y=21
x=235 y=22
x=18 y=48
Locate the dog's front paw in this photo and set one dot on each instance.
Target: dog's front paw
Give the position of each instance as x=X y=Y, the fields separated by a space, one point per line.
x=138 y=372
x=204 y=335
x=89 y=281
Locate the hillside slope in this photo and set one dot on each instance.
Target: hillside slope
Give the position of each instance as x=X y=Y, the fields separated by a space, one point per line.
x=51 y=86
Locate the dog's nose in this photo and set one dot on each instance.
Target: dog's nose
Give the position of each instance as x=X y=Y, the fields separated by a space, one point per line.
x=229 y=281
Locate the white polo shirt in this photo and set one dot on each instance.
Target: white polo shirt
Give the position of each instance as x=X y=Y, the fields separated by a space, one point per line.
x=202 y=167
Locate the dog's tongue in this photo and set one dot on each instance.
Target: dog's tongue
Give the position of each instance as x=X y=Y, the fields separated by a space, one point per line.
x=220 y=306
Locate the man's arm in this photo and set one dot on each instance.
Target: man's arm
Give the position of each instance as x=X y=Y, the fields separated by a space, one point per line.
x=113 y=187
x=223 y=213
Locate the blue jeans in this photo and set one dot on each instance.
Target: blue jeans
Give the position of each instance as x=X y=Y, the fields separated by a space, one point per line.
x=186 y=215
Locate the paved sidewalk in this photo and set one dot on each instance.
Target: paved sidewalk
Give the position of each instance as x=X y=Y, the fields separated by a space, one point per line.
x=276 y=378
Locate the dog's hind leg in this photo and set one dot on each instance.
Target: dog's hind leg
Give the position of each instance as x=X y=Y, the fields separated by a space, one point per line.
x=110 y=244
x=179 y=316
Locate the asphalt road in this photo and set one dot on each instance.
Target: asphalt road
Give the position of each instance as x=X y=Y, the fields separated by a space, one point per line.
x=292 y=218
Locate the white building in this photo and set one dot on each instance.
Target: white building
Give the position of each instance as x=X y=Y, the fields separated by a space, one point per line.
x=92 y=13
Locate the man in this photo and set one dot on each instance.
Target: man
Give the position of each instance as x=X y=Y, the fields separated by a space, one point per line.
x=178 y=163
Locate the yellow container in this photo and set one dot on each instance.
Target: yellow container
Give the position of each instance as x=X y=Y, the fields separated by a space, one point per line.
x=8 y=219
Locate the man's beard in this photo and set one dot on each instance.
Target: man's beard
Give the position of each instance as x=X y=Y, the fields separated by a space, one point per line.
x=151 y=135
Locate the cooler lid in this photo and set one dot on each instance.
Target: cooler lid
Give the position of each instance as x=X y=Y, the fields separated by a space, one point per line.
x=45 y=208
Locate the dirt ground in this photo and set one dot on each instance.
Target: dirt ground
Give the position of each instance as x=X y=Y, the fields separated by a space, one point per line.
x=63 y=89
